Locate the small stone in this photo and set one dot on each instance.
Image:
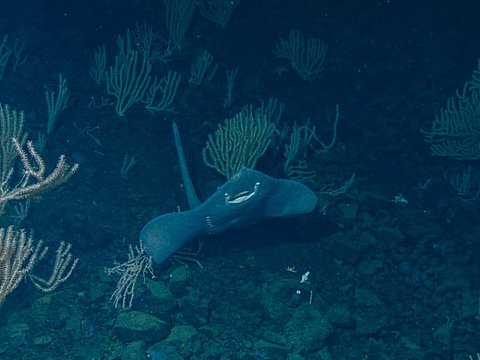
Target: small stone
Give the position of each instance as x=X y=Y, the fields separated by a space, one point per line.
x=134 y=351
x=162 y=298
x=179 y=279
x=339 y=315
x=178 y=345
x=136 y=325
x=308 y=329
x=443 y=335
x=349 y=210
x=371 y=313
x=266 y=350
x=42 y=340
x=369 y=267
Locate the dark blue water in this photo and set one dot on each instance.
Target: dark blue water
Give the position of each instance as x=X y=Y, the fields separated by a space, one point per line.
x=393 y=262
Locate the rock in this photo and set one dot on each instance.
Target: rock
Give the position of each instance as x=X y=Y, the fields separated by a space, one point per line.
x=74 y=325
x=371 y=313
x=294 y=356
x=266 y=350
x=349 y=210
x=14 y=335
x=178 y=345
x=181 y=334
x=274 y=338
x=162 y=299
x=134 y=351
x=389 y=236
x=275 y=309
x=308 y=330
x=214 y=350
x=323 y=354
x=179 y=279
x=368 y=267
x=42 y=340
x=366 y=241
x=470 y=304
x=443 y=335
x=194 y=311
x=339 y=315
x=208 y=331
x=161 y=351
x=343 y=249
x=136 y=325
x=365 y=221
